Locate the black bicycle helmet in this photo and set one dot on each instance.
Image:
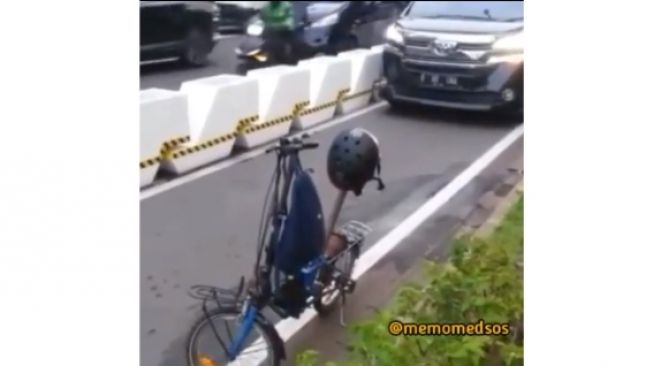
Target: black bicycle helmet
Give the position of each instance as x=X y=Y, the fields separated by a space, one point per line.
x=353 y=160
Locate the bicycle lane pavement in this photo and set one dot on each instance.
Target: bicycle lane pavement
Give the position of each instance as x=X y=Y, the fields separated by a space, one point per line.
x=469 y=210
x=205 y=231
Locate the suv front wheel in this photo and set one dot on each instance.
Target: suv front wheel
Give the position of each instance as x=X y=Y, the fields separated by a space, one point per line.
x=199 y=45
x=399 y=105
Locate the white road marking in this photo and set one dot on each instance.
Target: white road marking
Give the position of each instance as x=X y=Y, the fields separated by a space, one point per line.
x=176 y=182
x=288 y=327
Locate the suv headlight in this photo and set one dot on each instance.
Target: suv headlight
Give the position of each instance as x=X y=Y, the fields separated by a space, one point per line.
x=326 y=21
x=255 y=29
x=393 y=35
x=512 y=43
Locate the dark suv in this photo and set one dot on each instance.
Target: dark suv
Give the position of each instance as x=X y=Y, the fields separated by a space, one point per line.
x=177 y=29
x=456 y=54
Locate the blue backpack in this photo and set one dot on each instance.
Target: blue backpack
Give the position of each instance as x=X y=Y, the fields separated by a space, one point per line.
x=303 y=233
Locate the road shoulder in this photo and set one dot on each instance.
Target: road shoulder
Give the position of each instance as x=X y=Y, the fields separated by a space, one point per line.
x=329 y=338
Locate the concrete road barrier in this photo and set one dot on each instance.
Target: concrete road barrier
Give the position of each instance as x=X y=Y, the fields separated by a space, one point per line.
x=218 y=107
x=378 y=48
x=330 y=80
x=281 y=90
x=365 y=72
x=203 y=121
x=163 y=125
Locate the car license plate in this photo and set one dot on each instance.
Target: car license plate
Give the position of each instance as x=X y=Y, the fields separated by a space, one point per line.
x=451 y=80
x=430 y=79
x=435 y=79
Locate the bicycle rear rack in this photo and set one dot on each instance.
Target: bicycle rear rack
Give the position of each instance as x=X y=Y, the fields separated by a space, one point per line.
x=355 y=233
x=221 y=296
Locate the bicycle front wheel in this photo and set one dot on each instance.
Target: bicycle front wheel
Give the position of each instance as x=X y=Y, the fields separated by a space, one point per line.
x=207 y=345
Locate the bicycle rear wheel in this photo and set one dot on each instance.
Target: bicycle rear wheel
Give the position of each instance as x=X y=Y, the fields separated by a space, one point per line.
x=326 y=296
x=205 y=349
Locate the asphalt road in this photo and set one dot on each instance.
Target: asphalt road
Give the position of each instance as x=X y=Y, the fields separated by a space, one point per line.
x=223 y=60
x=204 y=232
x=170 y=75
x=471 y=207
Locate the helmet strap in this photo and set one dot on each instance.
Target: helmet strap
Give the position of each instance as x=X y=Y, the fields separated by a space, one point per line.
x=378 y=178
x=381 y=185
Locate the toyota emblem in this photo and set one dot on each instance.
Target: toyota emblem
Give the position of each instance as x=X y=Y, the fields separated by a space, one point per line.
x=443 y=47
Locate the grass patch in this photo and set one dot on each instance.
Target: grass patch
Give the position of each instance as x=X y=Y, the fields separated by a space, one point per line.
x=481 y=281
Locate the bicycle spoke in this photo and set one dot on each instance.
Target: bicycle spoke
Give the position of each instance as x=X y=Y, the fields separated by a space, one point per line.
x=217 y=336
x=256 y=348
x=226 y=324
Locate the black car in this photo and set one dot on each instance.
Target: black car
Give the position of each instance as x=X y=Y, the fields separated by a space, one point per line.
x=456 y=54
x=177 y=29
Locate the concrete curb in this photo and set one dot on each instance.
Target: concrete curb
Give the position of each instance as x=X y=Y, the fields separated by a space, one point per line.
x=499 y=212
x=494 y=205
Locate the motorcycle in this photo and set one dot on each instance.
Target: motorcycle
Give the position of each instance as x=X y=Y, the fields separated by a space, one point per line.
x=315 y=34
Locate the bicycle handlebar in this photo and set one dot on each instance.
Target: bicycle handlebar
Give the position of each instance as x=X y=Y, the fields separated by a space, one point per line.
x=296 y=144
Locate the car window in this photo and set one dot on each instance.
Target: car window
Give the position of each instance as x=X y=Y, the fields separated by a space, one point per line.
x=486 y=10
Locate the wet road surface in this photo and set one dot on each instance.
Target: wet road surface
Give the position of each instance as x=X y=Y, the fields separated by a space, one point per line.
x=205 y=231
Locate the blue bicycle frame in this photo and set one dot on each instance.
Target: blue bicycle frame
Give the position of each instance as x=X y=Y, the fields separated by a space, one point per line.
x=293 y=254
x=251 y=312
x=296 y=244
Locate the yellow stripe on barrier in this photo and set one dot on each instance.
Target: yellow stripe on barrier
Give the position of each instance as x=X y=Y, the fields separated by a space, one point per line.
x=172 y=155
x=317 y=108
x=268 y=124
x=246 y=122
x=149 y=162
x=356 y=95
x=173 y=143
x=342 y=93
x=165 y=148
x=299 y=106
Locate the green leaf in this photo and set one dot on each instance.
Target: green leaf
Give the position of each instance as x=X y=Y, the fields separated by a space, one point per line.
x=483 y=279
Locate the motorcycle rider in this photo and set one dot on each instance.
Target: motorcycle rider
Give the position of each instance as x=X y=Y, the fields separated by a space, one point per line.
x=279 y=27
